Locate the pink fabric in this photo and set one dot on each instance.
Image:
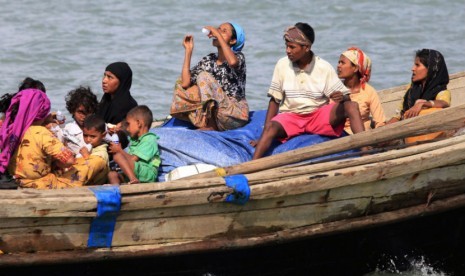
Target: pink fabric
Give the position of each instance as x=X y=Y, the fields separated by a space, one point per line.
x=316 y=122
x=33 y=105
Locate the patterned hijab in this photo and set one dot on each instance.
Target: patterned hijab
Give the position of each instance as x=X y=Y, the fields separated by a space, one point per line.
x=32 y=105
x=362 y=61
x=436 y=80
x=293 y=34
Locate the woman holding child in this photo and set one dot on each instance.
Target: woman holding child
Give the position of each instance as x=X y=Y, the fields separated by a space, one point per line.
x=211 y=95
x=32 y=154
x=354 y=68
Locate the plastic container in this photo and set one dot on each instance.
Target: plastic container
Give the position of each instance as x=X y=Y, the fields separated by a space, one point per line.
x=115 y=138
x=60 y=116
x=89 y=147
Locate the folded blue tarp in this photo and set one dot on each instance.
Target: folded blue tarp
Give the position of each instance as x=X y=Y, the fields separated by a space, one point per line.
x=181 y=145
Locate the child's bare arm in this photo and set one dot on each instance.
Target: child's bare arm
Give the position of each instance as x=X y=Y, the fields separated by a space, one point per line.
x=125 y=161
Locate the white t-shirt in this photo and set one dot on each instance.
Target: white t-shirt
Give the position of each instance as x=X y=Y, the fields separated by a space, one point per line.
x=304 y=90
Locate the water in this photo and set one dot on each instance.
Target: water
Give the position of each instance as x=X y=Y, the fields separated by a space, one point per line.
x=69 y=43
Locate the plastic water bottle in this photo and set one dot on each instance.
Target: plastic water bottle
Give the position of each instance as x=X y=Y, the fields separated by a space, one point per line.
x=60 y=116
x=89 y=147
x=115 y=138
x=205 y=31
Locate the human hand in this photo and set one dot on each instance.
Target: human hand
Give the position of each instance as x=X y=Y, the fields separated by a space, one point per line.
x=111 y=128
x=253 y=143
x=114 y=148
x=59 y=119
x=213 y=32
x=188 y=42
x=337 y=96
x=414 y=110
x=84 y=151
x=392 y=120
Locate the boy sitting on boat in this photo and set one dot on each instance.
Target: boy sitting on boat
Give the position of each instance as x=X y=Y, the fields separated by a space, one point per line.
x=94 y=132
x=301 y=89
x=140 y=164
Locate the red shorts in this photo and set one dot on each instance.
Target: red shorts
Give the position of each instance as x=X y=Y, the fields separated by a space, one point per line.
x=316 y=122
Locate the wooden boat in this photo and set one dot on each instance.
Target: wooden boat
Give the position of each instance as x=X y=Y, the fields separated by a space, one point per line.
x=286 y=203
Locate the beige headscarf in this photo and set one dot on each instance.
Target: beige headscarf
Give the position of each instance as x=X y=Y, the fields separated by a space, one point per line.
x=359 y=58
x=293 y=34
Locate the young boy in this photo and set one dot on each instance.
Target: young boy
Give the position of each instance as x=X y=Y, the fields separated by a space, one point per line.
x=306 y=95
x=94 y=132
x=140 y=164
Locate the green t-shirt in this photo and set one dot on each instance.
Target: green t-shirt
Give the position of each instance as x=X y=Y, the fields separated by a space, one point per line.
x=146 y=148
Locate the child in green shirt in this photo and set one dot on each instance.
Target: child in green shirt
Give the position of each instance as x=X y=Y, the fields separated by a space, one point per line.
x=140 y=164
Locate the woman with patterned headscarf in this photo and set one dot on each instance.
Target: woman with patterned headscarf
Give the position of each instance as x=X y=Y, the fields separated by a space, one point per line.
x=211 y=95
x=354 y=68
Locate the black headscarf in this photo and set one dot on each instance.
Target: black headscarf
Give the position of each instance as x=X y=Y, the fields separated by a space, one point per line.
x=436 y=81
x=114 y=110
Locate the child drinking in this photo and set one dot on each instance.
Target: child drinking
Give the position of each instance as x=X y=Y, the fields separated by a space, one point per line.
x=94 y=132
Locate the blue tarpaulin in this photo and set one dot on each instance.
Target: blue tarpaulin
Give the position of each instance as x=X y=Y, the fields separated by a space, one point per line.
x=181 y=145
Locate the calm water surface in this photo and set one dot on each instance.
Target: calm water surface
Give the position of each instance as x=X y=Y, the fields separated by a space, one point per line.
x=69 y=43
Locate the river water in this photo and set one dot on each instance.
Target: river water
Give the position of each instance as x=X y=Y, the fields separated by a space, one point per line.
x=69 y=43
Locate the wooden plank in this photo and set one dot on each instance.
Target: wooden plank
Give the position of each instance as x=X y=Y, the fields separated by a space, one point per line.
x=143 y=231
x=361 y=174
x=22 y=222
x=171 y=249
x=295 y=170
x=299 y=184
x=449 y=118
x=49 y=207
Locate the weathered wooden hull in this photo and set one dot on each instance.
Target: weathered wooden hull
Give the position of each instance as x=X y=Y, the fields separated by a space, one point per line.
x=286 y=203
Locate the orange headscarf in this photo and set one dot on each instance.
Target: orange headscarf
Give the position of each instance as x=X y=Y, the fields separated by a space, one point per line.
x=362 y=61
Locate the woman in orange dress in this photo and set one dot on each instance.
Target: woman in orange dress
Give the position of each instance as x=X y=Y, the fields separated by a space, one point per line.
x=32 y=154
x=354 y=68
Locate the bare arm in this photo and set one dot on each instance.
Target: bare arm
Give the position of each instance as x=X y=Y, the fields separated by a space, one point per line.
x=116 y=148
x=225 y=47
x=273 y=108
x=188 y=44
